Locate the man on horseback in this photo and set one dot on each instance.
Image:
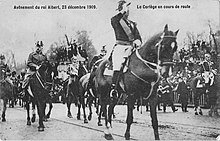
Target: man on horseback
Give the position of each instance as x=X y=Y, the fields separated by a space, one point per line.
x=4 y=70
x=127 y=37
x=94 y=64
x=35 y=59
x=72 y=71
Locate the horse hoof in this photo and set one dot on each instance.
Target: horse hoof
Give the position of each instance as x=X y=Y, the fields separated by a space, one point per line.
x=108 y=137
x=127 y=136
x=99 y=124
x=40 y=129
x=69 y=115
x=47 y=116
x=28 y=122
x=45 y=119
x=196 y=113
x=33 y=118
x=200 y=113
x=114 y=116
x=210 y=113
x=89 y=117
x=85 y=121
x=3 y=120
x=78 y=117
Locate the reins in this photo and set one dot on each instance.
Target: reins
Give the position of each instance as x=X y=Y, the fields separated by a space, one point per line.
x=148 y=63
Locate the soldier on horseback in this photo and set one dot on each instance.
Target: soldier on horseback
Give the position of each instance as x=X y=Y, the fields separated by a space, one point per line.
x=35 y=59
x=93 y=65
x=4 y=69
x=127 y=37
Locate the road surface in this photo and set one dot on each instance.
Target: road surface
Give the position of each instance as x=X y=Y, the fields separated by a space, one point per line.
x=172 y=126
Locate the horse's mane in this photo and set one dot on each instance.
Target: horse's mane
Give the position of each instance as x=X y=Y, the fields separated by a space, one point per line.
x=152 y=41
x=102 y=66
x=147 y=50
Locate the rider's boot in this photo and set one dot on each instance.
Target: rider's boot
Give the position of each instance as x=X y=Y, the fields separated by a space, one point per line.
x=114 y=85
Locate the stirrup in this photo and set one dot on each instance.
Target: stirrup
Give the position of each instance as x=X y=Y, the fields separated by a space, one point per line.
x=113 y=93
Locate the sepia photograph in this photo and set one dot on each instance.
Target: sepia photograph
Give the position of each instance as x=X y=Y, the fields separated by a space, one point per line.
x=110 y=70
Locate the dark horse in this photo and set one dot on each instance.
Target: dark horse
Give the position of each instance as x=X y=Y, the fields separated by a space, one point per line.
x=146 y=65
x=40 y=86
x=5 y=94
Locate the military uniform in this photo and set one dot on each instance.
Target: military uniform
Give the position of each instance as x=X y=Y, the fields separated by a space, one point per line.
x=35 y=59
x=198 y=85
x=93 y=65
x=165 y=95
x=127 y=35
x=4 y=70
x=183 y=91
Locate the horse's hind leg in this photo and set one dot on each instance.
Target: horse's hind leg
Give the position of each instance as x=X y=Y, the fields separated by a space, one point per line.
x=68 y=107
x=4 y=110
x=83 y=106
x=129 y=120
x=90 y=108
x=102 y=110
x=28 y=113
x=153 y=114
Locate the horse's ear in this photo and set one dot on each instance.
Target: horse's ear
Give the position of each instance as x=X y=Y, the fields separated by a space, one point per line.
x=165 y=28
x=176 y=32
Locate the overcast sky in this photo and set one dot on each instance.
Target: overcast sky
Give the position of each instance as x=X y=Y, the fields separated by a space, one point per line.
x=20 y=29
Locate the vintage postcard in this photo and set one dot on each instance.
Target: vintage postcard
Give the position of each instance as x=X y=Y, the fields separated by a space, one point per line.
x=147 y=42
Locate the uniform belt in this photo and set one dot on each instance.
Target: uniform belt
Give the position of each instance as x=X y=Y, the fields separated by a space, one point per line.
x=125 y=43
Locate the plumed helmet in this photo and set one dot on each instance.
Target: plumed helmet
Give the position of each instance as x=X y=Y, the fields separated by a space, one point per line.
x=121 y=3
x=103 y=50
x=2 y=57
x=39 y=44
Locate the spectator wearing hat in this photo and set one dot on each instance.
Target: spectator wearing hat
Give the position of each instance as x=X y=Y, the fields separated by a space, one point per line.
x=183 y=92
x=127 y=37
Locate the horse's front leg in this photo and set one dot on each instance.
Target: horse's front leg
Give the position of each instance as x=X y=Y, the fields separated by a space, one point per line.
x=41 y=113
x=33 y=112
x=28 y=113
x=153 y=114
x=50 y=109
x=129 y=120
x=83 y=106
x=90 y=108
x=3 y=104
x=101 y=111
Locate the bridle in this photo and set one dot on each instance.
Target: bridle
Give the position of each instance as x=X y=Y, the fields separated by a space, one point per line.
x=41 y=80
x=149 y=64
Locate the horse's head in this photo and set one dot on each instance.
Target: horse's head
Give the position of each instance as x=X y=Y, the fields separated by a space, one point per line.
x=160 y=49
x=166 y=48
x=45 y=71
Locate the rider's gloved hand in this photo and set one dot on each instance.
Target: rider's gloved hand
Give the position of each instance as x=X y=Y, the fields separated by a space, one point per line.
x=37 y=67
x=136 y=43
